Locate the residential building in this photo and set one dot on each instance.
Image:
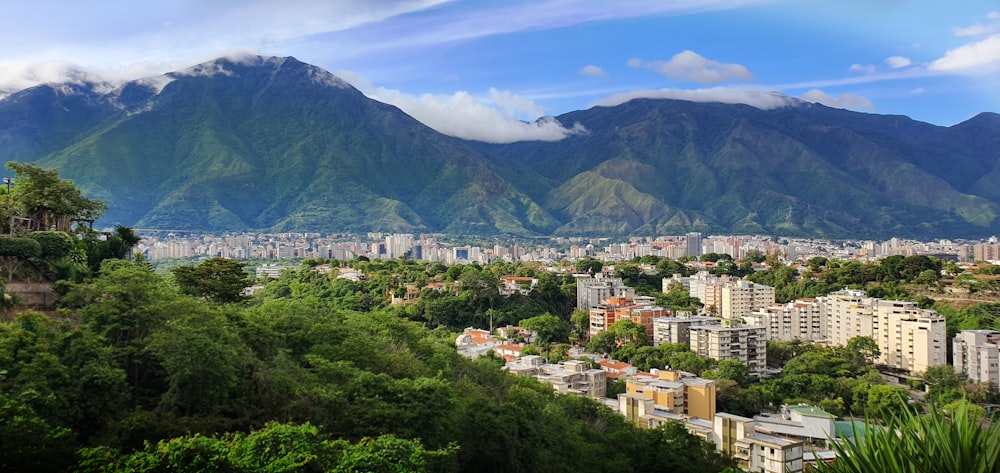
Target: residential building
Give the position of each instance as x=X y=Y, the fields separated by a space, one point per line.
x=678 y=329
x=801 y=422
x=640 y=310
x=803 y=319
x=721 y=296
x=976 y=353
x=593 y=291
x=754 y=450
x=848 y=314
x=675 y=391
x=746 y=344
x=908 y=337
x=743 y=297
x=568 y=377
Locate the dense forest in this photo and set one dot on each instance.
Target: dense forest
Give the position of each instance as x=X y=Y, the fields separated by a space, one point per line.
x=134 y=374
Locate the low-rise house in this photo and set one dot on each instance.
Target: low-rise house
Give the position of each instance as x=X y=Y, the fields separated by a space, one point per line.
x=568 y=377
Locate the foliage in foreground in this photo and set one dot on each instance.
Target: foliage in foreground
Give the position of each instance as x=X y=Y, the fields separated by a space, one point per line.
x=959 y=441
x=143 y=374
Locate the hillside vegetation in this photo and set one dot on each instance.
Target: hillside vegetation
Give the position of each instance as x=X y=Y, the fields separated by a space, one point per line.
x=275 y=144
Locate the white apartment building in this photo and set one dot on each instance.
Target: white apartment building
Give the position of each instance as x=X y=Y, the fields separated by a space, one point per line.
x=746 y=344
x=977 y=355
x=593 y=291
x=755 y=450
x=678 y=329
x=802 y=319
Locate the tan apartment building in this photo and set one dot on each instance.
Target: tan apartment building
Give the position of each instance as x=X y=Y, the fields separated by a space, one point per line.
x=675 y=391
x=743 y=297
x=802 y=319
x=908 y=337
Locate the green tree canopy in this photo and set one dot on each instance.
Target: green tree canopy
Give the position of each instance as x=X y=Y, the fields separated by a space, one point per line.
x=39 y=194
x=219 y=280
x=548 y=327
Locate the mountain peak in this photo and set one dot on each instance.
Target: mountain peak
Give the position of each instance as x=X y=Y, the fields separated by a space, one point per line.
x=231 y=64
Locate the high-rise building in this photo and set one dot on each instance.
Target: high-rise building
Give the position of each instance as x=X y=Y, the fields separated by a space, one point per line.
x=742 y=297
x=593 y=291
x=746 y=344
x=802 y=319
x=693 y=244
x=977 y=355
x=678 y=329
x=908 y=337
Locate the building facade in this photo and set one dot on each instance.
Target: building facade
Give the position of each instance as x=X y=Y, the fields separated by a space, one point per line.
x=746 y=344
x=977 y=355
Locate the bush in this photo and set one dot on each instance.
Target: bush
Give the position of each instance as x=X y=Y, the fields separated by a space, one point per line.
x=54 y=245
x=20 y=247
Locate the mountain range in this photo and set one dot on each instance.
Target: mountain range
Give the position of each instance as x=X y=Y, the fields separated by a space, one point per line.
x=274 y=144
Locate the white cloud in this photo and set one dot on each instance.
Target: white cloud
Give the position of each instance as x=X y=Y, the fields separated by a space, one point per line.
x=971 y=57
x=464 y=116
x=993 y=15
x=515 y=105
x=848 y=101
x=917 y=91
x=762 y=99
x=690 y=66
x=16 y=76
x=867 y=69
x=592 y=70
x=977 y=29
x=898 y=62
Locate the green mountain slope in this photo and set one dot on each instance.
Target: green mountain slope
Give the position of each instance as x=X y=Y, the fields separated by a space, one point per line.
x=280 y=145
x=273 y=144
x=804 y=170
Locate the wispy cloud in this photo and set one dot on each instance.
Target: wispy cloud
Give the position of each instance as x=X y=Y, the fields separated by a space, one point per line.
x=593 y=71
x=977 y=29
x=898 y=62
x=846 y=101
x=866 y=69
x=691 y=66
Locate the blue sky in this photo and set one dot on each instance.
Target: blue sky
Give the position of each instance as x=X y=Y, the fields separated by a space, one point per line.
x=480 y=69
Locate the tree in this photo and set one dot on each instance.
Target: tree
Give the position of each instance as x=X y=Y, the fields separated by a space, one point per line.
x=863 y=348
x=548 y=327
x=729 y=369
x=15 y=251
x=220 y=280
x=51 y=202
x=943 y=383
x=589 y=265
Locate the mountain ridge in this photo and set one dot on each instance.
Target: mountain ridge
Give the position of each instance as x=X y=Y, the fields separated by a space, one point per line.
x=259 y=143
